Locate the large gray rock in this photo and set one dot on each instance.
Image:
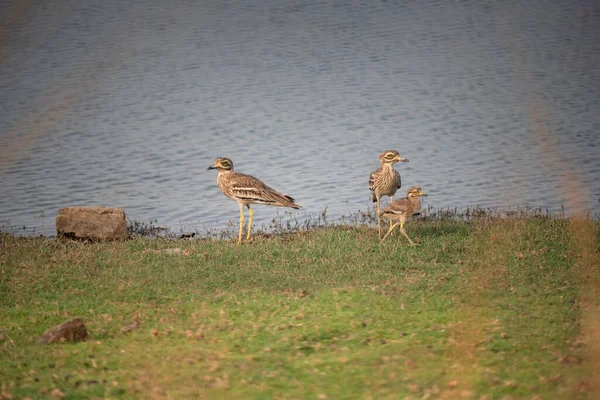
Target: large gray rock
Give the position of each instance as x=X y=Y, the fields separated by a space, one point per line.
x=97 y=223
x=73 y=331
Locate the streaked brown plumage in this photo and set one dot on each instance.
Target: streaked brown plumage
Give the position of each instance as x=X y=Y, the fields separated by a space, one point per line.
x=246 y=190
x=385 y=181
x=402 y=210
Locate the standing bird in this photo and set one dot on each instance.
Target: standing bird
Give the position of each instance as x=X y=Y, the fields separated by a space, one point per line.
x=403 y=209
x=246 y=190
x=385 y=181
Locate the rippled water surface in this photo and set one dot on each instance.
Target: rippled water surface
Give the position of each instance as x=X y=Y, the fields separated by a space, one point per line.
x=127 y=103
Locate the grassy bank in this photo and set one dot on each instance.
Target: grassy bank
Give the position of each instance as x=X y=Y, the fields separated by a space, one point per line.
x=493 y=307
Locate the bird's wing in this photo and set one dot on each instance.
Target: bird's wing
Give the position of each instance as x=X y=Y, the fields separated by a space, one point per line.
x=400 y=206
x=373 y=178
x=251 y=189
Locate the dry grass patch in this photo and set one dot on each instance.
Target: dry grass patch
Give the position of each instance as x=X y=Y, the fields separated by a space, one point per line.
x=584 y=234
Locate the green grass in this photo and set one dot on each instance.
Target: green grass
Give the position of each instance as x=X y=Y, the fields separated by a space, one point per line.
x=486 y=307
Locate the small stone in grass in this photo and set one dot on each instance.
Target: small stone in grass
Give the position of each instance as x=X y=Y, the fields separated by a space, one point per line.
x=129 y=328
x=73 y=330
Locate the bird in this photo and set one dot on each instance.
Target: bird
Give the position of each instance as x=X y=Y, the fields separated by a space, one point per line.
x=403 y=209
x=246 y=190
x=385 y=181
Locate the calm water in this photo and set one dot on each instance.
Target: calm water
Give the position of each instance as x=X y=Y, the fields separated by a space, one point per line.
x=127 y=103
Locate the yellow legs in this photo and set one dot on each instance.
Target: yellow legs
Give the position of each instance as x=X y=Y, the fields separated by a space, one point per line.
x=402 y=231
x=251 y=212
x=379 y=215
x=378 y=218
x=391 y=201
x=241 y=223
x=250 y=221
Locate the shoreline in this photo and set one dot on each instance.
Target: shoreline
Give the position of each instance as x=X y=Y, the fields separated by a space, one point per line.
x=280 y=225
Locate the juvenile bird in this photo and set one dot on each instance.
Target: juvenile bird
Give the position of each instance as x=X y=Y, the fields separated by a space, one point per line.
x=385 y=181
x=403 y=209
x=246 y=190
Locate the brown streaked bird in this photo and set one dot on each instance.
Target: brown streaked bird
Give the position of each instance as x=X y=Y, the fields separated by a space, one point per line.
x=246 y=190
x=385 y=181
x=402 y=210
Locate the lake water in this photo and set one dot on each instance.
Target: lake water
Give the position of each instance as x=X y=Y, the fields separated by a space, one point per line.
x=126 y=104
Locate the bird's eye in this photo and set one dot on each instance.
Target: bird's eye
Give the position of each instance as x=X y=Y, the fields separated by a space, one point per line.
x=389 y=155
x=225 y=163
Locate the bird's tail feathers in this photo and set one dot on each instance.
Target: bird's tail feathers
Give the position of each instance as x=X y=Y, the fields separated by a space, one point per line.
x=292 y=201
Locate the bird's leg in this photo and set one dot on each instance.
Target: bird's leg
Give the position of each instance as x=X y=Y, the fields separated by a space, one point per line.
x=249 y=221
x=390 y=231
x=404 y=233
x=391 y=201
x=379 y=218
x=241 y=223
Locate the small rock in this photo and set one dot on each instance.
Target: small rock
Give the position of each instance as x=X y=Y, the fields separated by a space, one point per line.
x=96 y=223
x=131 y=327
x=67 y=331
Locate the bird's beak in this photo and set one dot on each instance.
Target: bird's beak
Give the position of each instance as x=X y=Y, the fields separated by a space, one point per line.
x=211 y=167
x=398 y=158
x=423 y=193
